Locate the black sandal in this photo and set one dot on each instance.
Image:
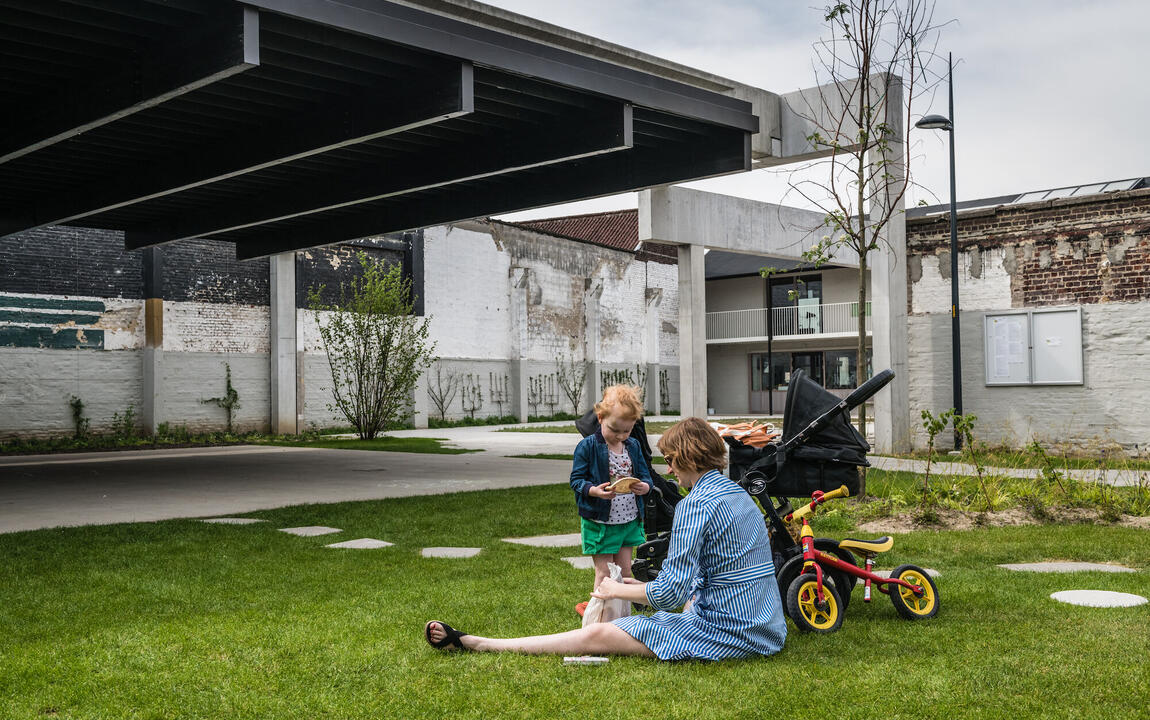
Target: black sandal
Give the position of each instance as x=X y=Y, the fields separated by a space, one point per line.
x=451 y=638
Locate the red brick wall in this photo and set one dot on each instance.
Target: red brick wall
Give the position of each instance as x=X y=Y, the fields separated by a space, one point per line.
x=1059 y=252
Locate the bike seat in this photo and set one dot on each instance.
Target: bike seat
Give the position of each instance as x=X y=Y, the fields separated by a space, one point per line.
x=867 y=546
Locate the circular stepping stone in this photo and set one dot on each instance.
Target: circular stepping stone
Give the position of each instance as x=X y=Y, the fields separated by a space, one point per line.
x=233 y=521
x=581 y=562
x=1066 y=567
x=929 y=571
x=361 y=544
x=310 y=530
x=548 y=540
x=1098 y=598
x=449 y=552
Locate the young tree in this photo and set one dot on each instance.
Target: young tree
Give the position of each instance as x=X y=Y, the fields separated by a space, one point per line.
x=872 y=66
x=376 y=348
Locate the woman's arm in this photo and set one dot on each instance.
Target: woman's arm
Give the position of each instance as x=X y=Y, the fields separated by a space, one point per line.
x=633 y=591
x=676 y=580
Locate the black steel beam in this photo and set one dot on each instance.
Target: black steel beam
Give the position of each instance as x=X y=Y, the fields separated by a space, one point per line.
x=725 y=151
x=436 y=33
x=220 y=48
x=445 y=94
x=605 y=126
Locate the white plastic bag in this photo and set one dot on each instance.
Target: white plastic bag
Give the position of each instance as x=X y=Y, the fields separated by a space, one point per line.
x=607 y=610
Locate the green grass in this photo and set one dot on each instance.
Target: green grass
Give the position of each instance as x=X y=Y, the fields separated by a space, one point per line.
x=182 y=619
x=387 y=444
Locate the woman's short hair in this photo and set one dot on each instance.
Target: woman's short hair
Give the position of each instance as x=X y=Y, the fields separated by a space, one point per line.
x=694 y=446
x=623 y=399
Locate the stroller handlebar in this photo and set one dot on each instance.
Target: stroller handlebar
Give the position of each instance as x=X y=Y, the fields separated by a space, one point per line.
x=869 y=388
x=818 y=499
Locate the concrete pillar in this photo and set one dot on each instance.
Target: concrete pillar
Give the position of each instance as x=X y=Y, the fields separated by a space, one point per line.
x=282 y=350
x=692 y=332
x=592 y=340
x=654 y=297
x=520 y=278
x=888 y=274
x=153 y=413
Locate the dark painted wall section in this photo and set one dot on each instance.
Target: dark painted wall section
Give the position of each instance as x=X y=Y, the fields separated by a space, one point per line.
x=70 y=261
x=89 y=262
x=336 y=266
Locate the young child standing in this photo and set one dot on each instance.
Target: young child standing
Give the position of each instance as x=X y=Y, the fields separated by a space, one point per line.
x=612 y=523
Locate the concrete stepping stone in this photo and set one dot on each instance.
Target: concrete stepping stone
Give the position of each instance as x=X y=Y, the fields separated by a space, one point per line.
x=1098 y=598
x=1066 y=567
x=311 y=530
x=449 y=552
x=233 y=521
x=581 y=562
x=361 y=544
x=548 y=540
x=929 y=571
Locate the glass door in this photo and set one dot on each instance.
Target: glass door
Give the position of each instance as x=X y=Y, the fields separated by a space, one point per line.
x=809 y=362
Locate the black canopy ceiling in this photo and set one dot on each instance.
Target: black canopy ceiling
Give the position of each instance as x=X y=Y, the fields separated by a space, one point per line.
x=283 y=124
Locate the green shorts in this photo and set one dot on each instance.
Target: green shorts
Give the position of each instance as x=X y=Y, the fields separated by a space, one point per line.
x=603 y=539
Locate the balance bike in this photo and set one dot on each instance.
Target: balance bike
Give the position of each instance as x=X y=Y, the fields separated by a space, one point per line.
x=818 y=606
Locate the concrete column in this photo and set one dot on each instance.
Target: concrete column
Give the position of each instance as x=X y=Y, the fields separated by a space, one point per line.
x=520 y=278
x=654 y=297
x=282 y=350
x=153 y=413
x=592 y=340
x=888 y=274
x=692 y=332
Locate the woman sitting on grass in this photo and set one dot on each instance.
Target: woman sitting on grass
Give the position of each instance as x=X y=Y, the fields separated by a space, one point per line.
x=719 y=564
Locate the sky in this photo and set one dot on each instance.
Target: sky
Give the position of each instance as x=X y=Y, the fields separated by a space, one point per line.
x=1047 y=93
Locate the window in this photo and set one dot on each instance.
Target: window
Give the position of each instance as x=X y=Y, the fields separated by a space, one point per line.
x=842 y=370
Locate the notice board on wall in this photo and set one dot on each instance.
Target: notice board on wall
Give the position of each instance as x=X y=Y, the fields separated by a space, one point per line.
x=1033 y=347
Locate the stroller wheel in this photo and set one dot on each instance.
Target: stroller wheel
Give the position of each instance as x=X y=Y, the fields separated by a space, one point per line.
x=808 y=614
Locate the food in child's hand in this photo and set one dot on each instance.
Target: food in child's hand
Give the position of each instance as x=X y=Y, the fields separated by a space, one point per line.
x=624 y=484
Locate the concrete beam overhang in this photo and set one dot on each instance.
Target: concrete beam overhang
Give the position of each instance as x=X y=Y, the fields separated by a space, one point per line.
x=766 y=144
x=681 y=216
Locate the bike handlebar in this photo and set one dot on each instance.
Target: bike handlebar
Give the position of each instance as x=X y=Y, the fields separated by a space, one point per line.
x=819 y=499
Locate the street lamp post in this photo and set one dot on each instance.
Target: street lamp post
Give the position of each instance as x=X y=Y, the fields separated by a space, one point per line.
x=938 y=122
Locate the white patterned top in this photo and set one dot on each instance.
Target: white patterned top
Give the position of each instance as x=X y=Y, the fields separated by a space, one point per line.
x=623 y=507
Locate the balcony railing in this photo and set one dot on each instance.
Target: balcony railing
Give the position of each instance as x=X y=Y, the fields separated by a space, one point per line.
x=786 y=322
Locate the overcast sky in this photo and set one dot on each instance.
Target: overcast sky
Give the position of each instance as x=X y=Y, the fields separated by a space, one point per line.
x=1047 y=93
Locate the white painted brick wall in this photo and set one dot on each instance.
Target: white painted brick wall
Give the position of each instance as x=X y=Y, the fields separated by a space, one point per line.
x=991 y=291
x=196 y=327
x=467 y=293
x=1109 y=406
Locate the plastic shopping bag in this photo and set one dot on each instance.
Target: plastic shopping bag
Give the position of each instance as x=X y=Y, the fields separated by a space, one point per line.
x=607 y=610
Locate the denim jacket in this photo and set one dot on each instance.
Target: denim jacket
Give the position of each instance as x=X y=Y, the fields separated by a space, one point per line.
x=590 y=468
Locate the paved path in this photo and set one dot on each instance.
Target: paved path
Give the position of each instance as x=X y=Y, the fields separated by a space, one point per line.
x=103 y=488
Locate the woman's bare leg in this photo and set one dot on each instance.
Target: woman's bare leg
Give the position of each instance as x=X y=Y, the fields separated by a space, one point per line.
x=600 y=638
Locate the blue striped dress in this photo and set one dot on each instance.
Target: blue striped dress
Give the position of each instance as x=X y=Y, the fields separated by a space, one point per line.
x=721 y=555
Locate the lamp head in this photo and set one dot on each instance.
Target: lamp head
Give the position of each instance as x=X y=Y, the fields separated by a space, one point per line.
x=934 y=122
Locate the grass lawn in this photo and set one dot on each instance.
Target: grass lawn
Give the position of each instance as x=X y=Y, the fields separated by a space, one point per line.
x=1027 y=458
x=182 y=619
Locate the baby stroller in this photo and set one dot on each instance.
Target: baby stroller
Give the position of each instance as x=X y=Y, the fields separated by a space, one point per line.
x=819 y=450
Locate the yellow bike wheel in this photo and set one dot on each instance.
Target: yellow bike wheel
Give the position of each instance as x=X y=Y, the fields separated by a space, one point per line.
x=808 y=614
x=906 y=602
